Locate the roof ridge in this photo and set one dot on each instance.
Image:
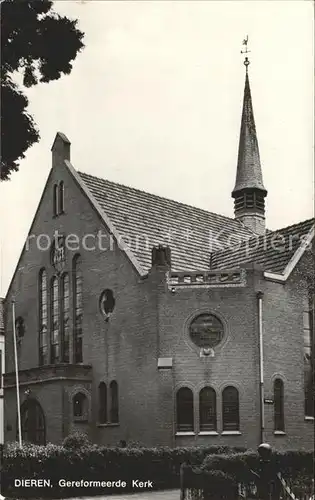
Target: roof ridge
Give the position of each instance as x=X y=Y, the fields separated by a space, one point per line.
x=230 y=219
x=293 y=225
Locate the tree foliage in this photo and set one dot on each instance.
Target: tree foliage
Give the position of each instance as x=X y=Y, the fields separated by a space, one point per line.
x=40 y=45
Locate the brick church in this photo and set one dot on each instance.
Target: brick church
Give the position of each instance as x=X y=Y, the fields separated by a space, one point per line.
x=140 y=319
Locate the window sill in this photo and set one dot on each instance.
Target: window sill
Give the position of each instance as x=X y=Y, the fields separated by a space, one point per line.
x=80 y=420
x=309 y=418
x=189 y=433
x=108 y=424
x=279 y=433
x=208 y=433
x=231 y=433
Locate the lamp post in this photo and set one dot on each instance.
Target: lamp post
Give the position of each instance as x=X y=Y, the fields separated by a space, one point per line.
x=16 y=375
x=261 y=366
x=17 y=287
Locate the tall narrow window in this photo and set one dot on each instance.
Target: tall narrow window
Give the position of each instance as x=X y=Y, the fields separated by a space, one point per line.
x=279 y=405
x=113 y=389
x=230 y=409
x=308 y=324
x=43 y=316
x=80 y=406
x=207 y=409
x=102 y=395
x=54 y=340
x=65 y=318
x=184 y=410
x=55 y=200
x=61 y=198
x=78 y=311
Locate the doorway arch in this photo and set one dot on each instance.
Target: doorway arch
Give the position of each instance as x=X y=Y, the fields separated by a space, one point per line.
x=33 y=422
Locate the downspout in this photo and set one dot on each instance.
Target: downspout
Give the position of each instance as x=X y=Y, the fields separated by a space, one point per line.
x=261 y=367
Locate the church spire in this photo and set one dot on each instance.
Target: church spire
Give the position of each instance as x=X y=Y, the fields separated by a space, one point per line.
x=249 y=192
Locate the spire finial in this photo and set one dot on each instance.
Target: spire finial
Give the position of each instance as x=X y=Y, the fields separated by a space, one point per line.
x=246 y=62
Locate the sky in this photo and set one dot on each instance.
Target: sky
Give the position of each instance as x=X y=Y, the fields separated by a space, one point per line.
x=154 y=102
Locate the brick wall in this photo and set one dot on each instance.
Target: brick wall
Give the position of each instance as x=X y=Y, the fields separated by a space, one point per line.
x=235 y=361
x=283 y=352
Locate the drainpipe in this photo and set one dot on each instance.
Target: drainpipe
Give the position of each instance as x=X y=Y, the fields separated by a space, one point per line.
x=261 y=368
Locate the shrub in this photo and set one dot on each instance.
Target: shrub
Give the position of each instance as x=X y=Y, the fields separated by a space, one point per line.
x=237 y=465
x=76 y=440
x=291 y=464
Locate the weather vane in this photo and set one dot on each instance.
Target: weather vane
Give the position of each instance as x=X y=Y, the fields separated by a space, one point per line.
x=245 y=42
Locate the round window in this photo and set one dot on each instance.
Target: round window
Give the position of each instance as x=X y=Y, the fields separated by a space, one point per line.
x=206 y=330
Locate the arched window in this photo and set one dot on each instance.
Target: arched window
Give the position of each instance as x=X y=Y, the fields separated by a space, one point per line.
x=308 y=329
x=207 y=409
x=65 y=318
x=80 y=406
x=279 y=404
x=55 y=200
x=184 y=410
x=230 y=409
x=78 y=310
x=102 y=397
x=61 y=197
x=43 y=316
x=33 y=422
x=113 y=414
x=54 y=339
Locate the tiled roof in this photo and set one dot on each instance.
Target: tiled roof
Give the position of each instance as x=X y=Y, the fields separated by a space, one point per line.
x=147 y=220
x=273 y=250
x=1 y=317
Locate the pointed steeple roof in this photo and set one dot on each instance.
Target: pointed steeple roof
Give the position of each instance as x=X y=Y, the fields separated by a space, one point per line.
x=249 y=174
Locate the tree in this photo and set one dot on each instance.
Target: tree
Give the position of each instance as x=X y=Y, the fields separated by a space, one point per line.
x=40 y=45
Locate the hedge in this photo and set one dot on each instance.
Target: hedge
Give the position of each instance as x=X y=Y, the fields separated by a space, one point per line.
x=78 y=459
x=289 y=463
x=212 y=468
x=220 y=474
